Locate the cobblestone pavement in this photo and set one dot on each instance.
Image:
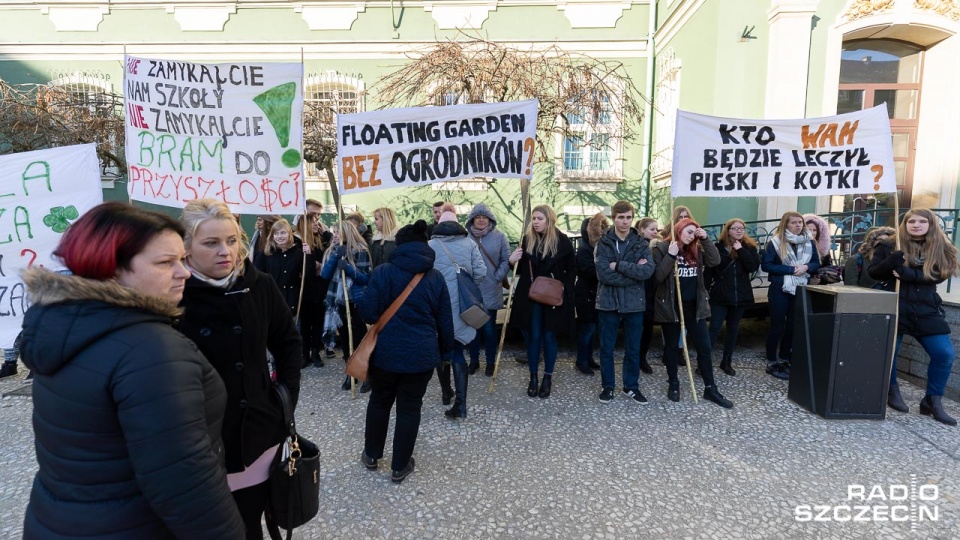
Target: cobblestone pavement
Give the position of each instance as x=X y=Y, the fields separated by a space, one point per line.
x=571 y=467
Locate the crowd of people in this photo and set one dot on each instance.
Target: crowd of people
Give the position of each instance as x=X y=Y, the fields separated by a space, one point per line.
x=155 y=356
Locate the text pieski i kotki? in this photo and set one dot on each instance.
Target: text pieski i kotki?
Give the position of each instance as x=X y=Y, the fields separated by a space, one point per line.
x=820 y=151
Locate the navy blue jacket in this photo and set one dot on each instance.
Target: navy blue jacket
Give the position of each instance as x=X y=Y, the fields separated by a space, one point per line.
x=775 y=269
x=420 y=334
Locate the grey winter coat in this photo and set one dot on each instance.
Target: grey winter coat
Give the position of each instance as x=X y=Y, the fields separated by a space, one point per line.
x=622 y=289
x=468 y=256
x=498 y=248
x=665 y=308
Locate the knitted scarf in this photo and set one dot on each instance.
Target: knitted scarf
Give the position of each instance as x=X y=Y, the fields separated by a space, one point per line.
x=801 y=256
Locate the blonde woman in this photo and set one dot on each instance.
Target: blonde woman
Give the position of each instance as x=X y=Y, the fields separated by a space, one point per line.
x=383 y=242
x=283 y=261
x=347 y=252
x=789 y=258
x=235 y=314
x=927 y=258
x=543 y=251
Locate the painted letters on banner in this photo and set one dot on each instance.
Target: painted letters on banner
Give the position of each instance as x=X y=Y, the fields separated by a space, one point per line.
x=232 y=132
x=41 y=194
x=837 y=155
x=422 y=145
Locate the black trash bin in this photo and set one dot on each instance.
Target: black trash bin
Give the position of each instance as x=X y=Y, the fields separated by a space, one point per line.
x=843 y=351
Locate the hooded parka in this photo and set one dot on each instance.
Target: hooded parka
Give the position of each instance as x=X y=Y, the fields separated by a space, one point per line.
x=467 y=255
x=126 y=417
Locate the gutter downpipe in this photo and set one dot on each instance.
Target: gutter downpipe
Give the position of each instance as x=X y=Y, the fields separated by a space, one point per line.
x=648 y=116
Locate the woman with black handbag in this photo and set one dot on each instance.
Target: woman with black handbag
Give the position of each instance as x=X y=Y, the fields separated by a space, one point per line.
x=235 y=314
x=457 y=253
x=545 y=252
x=414 y=340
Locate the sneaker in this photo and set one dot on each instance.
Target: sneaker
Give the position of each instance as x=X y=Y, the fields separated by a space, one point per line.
x=400 y=476
x=368 y=462
x=711 y=393
x=636 y=396
x=779 y=371
x=606 y=396
x=9 y=369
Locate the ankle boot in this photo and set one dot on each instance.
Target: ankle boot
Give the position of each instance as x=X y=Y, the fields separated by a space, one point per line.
x=895 y=400
x=933 y=406
x=546 y=386
x=534 y=385
x=727 y=367
x=460 y=378
x=645 y=366
x=443 y=375
x=673 y=391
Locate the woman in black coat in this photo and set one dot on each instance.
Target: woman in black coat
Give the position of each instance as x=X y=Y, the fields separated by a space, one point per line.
x=585 y=292
x=235 y=314
x=731 y=292
x=409 y=347
x=544 y=251
x=126 y=411
x=283 y=261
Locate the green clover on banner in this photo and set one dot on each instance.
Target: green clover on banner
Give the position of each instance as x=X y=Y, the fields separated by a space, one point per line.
x=59 y=218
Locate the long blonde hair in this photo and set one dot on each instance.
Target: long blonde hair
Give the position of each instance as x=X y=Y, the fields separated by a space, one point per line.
x=197 y=211
x=271 y=243
x=350 y=237
x=388 y=224
x=728 y=242
x=542 y=245
x=303 y=229
x=937 y=254
x=781 y=234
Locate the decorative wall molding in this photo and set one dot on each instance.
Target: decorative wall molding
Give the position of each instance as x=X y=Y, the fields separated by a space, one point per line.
x=945 y=8
x=330 y=17
x=865 y=8
x=202 y=19
x=593 y=15
x=76 y=19
x=465 y=15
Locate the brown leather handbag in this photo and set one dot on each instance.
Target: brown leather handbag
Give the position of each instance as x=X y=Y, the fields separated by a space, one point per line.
x=359 y=361
x=544 y=290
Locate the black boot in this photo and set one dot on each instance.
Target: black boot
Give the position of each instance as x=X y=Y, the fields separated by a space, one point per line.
x=546 y=386
x=673 y=391
x=727 y=367
x=895 y=400
x=460 y=378
x=534 y=385
x=443 y=374
x=9 y=369
x=346 y=383
x=711 y=393
x=645 y=366
x=474 y=368
x=933 y=406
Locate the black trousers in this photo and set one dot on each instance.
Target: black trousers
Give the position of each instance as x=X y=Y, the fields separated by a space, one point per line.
x=407 y=390
x=311 y=326
x=252 y=502
x=359 y=329
x=698 y=338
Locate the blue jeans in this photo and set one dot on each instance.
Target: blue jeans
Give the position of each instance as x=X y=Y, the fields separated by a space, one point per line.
x=941 y=353
x=585 y=342
x=540 y=339
x=781 y=324
x=488 y=334
x=732 y=316
x=632 y=328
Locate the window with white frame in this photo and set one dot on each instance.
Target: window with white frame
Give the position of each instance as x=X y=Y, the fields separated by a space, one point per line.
x=324 y=97
x=667 y=103
x=89 y=98
x=592 y=147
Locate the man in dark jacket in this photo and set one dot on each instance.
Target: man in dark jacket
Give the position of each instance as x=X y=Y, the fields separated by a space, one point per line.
x=623 y=263
x=409 y=346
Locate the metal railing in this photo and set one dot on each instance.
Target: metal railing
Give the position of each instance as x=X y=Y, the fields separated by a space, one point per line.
x=847 y=232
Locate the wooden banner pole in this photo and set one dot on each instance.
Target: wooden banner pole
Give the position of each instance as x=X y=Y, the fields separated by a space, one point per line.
x=679 y=307
x=335 y=192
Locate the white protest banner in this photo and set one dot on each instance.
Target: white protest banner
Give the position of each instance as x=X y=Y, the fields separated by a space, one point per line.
x=228 y=131
x=836 y=155
x=422 y=145
x=41 y=194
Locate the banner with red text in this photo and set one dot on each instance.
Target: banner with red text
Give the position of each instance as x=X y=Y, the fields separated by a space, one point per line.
x=41 y=194
x=836 y=155
x=229 y=131
x=422 y=145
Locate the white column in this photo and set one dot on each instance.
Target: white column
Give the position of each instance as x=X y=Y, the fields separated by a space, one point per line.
x=788 y=62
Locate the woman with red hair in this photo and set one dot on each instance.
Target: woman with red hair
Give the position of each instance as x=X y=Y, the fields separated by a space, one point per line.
x=685 y=255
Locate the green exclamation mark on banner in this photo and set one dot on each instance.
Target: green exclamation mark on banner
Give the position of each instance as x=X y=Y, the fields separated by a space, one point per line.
x=277 y=104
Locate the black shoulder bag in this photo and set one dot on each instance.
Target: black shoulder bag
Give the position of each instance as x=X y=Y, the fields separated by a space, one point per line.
x=294 y=477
